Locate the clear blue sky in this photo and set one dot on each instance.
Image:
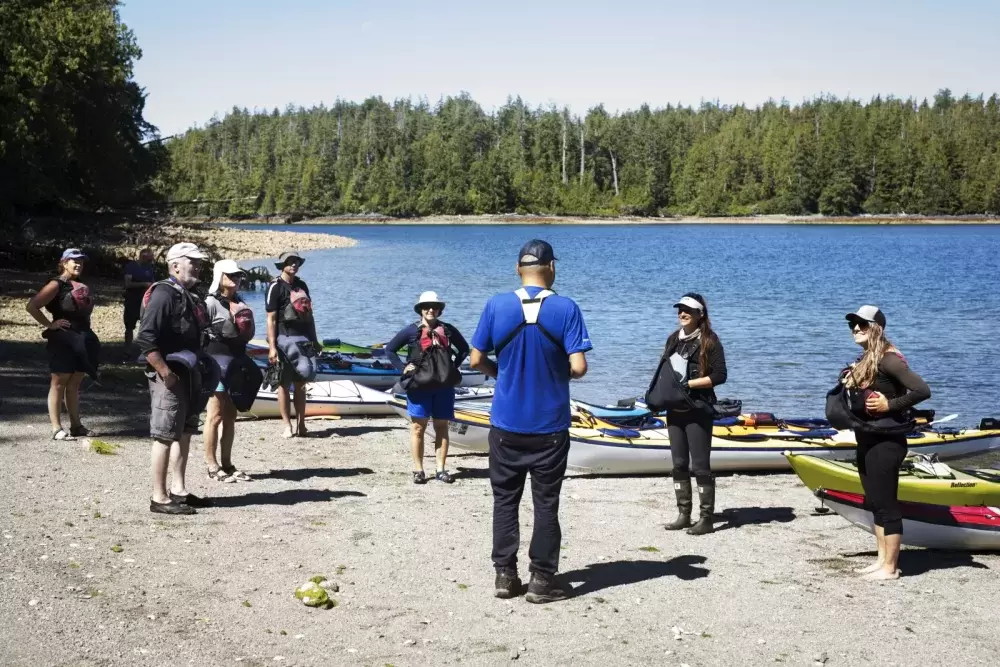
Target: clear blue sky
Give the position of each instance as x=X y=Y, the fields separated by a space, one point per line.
x=202 y=57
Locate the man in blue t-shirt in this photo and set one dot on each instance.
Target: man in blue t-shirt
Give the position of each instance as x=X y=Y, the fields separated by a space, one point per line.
x=539 y=340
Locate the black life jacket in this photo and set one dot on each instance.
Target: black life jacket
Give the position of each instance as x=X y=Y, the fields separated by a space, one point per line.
x=845 y=410
x=531 y=307
x=665 y=391
x=192 y=320
x=434 y=361
x=72 y=302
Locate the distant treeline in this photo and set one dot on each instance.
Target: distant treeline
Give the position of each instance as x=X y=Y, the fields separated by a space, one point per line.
x=837 y=157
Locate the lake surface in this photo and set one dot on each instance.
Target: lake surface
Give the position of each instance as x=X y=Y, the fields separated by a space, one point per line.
x=777 y=296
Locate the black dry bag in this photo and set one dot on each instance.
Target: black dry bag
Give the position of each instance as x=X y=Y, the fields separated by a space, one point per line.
x=434 y=370
x=665 y=391
x=842 y=417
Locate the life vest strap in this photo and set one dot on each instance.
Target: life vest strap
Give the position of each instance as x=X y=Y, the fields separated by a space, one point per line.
x=530 y=309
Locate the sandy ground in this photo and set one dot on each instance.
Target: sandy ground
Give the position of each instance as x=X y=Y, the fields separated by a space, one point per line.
x=513 y=219
x=91 y=577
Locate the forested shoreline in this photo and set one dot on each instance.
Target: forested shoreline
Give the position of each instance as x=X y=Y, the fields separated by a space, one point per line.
x=73 y=137
x=834 y=157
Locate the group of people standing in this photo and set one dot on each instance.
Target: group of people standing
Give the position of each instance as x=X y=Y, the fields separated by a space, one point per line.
x=538 y=341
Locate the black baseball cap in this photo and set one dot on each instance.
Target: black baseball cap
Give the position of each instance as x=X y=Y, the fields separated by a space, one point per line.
x=535 y=253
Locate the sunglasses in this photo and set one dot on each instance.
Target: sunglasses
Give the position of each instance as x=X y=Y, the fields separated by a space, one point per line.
x=858 y=326
x=687 y=311
x=235 y=277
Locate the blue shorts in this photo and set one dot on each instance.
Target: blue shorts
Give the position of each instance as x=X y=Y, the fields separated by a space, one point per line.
x=431 y=404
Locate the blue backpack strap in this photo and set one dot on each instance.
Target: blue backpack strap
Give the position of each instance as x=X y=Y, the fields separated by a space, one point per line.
x=530 y=309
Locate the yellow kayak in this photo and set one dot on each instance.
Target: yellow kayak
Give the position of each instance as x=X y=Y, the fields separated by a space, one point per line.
x=936 y=484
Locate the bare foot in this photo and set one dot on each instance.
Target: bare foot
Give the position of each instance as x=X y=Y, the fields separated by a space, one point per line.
x=881 y=575
x=288 y=433
x=877 y=565
x=302 y=431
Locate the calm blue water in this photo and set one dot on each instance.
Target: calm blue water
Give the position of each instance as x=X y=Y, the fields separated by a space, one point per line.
x=777 y=296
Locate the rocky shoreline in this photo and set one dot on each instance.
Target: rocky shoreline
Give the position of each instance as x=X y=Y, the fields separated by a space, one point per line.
x=16 y=287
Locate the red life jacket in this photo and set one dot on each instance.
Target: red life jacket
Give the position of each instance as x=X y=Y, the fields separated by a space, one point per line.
x=299 y=308
x=241 y=323
x=430 y=337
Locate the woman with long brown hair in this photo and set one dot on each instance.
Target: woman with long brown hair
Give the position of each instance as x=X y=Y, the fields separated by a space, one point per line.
x=695 y=355
x=72 y=345
x=882 y=389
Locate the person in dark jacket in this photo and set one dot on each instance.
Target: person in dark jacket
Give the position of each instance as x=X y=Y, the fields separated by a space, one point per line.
x=698 y=359
x=422 y=405
x=172 y=323
x=72 y=345
x=885 y=386
x=139 y=276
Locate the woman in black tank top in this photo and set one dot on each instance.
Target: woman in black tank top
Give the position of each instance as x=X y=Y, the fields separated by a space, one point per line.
x=882 y=385
x=72 y=345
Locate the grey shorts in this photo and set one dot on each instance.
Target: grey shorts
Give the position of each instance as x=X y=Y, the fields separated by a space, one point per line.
x=169 y=417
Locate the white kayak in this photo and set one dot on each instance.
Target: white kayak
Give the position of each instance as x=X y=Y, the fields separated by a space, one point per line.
x=956 y=527
x=343 y=397
x=599 y=447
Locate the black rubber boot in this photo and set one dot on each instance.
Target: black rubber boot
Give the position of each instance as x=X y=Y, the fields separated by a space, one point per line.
x=706 y=505
x=682 y=489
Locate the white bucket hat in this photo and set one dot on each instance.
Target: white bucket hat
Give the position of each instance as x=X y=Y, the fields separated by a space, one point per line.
x=221 y=267
x=428 y=298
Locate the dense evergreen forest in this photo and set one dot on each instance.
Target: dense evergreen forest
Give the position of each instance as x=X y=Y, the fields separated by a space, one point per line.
x=73 y=136
x=837 y=157
x=71 y=126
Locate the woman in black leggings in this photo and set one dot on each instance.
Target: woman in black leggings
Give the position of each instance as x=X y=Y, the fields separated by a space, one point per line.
x=698 y=360
x=882 y=386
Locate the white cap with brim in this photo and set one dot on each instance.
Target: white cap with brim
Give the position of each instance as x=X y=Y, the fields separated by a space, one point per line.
x=189 y=250
x=428 y=298
x=690 y=302
x=223 y=266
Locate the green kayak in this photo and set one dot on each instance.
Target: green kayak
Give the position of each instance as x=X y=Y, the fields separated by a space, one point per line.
x=338 y=346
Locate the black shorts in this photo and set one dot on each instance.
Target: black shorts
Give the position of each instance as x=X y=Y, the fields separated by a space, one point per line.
x=133 y=306
x=73 y=352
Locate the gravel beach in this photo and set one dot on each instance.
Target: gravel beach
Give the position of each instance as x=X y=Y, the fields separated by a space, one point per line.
x=16 y=287
x=91 y=577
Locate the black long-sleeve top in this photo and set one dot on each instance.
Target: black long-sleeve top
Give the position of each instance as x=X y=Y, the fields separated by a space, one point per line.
x=901 y=386
x=717 y=371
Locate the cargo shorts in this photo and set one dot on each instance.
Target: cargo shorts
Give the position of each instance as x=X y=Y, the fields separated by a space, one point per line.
x=168 y=417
